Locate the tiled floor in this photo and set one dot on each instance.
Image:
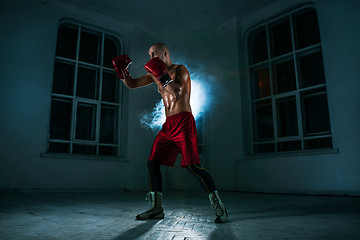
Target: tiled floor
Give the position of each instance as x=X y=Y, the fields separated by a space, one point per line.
x=187 y=216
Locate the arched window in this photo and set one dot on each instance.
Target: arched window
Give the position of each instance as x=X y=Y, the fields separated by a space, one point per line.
x=86 y=94
x=287 y=84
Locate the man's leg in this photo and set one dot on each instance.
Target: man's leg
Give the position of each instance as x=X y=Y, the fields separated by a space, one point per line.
x=154 y=196
x=155 y=178
x=206 y=180
x=208 y=185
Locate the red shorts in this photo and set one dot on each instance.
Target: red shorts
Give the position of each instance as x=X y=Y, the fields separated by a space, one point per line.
x=178 y=135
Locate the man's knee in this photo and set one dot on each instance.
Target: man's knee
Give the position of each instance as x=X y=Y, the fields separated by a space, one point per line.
x=194 y=168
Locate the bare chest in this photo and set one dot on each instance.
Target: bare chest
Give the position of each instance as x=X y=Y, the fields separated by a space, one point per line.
x=161 y=89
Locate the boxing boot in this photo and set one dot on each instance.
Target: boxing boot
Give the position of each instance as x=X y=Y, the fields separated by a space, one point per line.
x=156 y=211
x=220 y=210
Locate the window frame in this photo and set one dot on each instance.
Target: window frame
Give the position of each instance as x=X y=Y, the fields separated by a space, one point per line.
x=268 y=63
x=97 y=102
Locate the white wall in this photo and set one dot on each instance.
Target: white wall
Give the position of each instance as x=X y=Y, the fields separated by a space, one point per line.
x=28 y=40
x=325 y=173
x=28 y=43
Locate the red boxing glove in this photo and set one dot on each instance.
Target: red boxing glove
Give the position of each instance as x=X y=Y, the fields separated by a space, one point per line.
x=158 y=68
x=121 y=64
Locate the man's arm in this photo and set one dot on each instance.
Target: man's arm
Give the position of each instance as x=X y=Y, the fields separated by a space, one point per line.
x=142 y=81
x=121 y=64
x=176 y=87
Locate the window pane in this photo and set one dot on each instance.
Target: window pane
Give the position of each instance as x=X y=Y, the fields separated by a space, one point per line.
x=263 y=120
x=60 y=119
x=63 y=82
x=59 y=147
x=66 y=41
x=257 y=46
x=289 y=146
x=264 y=148
x=85 y=121
x=318 y=143
x=87 y=83
x=260 y=83
x=81 y=54
x=108 y=124
x=110 y=88
x=89 y=47
x=315 y=112
x=306 y=29
x=110 y=50
x=284 y=76
x=311 y=70
x=108 y=151
x=272 y=49
x=287 y=117
x=280 y=37
x=84 y=149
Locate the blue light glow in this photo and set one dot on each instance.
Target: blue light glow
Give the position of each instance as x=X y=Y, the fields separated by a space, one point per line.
x=200 y=100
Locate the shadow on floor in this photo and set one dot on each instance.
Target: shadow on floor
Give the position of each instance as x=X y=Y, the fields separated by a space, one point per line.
x=223 y=231
x=137 y=231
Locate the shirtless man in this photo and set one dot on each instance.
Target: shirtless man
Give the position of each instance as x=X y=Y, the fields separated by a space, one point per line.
x=178 y=134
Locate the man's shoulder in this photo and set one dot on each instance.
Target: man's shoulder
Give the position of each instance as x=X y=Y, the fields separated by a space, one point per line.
x=182 y=73
x=181 y=65
x=182 y=68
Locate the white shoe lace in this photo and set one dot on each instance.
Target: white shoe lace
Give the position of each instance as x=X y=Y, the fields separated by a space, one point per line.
x=150 y=197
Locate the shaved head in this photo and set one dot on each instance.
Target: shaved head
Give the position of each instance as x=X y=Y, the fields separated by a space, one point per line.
x=161 y=46
x=160 y=50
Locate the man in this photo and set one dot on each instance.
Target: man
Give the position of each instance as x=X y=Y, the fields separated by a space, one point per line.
x=178 y=134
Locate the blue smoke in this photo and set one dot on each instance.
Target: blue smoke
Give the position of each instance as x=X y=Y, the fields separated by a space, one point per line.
x=201 y=99
x=155 y=118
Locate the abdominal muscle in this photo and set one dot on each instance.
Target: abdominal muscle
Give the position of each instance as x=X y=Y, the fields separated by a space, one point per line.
x=174 y=106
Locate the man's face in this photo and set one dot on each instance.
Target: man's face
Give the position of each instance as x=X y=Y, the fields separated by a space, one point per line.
x=156 y=52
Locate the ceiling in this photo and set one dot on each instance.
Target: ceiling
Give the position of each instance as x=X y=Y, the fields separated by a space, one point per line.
x=185 y=14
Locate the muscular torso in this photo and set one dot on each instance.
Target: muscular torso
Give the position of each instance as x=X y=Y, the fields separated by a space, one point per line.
x=181 y=103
